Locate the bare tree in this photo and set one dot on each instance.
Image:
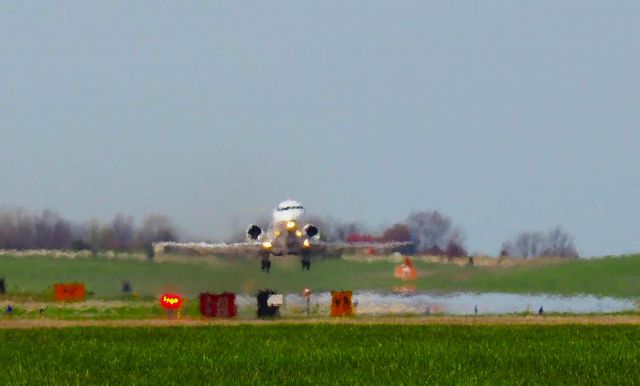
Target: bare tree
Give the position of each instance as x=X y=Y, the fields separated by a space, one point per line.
x=455 y=245
x=50 y=231
x=43 y=227
x=61 y=236
x=16 y=229
x=556 y=243
x=434 y=233
x=156 y=227
x=123 y=231
x=530 y=244
x=560 y=243
x=94 y=235
x=6 y=227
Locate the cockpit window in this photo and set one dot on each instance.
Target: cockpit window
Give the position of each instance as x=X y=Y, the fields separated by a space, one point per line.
x=282 y=209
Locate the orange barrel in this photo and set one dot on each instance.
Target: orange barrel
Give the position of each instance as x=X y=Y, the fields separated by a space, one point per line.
x=341 y=304
x=68 y=292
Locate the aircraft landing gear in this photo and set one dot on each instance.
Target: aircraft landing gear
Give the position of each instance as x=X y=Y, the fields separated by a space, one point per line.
x=305 y=259
x=265 y=264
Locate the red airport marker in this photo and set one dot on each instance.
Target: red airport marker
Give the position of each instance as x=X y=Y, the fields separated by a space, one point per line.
x=171 y=301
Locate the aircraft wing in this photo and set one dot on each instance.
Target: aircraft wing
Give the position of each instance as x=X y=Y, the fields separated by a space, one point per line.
x=341 y=247
x=254 y=248
x=201 y=248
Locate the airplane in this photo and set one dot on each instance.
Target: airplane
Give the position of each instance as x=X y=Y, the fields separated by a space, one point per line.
x=288 y=234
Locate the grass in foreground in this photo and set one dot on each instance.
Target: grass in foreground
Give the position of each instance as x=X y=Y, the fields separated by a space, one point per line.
x=34 y=275
x=323 y=354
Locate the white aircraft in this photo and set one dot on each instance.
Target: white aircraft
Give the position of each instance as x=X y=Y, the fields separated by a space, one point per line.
x=288 y=234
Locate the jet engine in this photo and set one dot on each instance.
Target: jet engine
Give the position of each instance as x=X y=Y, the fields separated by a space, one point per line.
x=254 y=232
x=311 y=231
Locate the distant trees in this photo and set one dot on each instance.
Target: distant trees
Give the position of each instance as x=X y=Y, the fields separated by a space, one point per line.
x=156 y=227
x=430 y=232
x=556 y=242
x=341 y=231
x=332 y=230
x=397 y=233
x=121 y=234
x=434 y=233
x=21 y=230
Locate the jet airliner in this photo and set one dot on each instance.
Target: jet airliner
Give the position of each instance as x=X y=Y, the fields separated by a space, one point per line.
x=288 y=234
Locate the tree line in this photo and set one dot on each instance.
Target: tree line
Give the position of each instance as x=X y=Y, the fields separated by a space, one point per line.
x=20 y=229
x=432 y=233
x=429 y=232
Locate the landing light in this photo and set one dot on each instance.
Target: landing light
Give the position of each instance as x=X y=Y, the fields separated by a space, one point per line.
x=306 y=243
x=291 y=225
x=299 y=233
x=267 y=245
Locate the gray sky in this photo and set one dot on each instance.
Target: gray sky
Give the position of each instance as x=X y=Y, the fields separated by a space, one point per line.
x=504 y=115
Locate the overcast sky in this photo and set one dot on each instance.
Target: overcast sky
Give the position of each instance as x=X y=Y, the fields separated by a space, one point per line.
x=504 y=115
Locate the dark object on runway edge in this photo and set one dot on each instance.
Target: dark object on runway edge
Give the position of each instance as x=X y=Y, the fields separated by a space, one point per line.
x=264 y=310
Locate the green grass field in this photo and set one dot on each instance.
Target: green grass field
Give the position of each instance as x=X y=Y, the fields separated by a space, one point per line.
x=614 y=276
x=309 y=353
x=323 y=354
